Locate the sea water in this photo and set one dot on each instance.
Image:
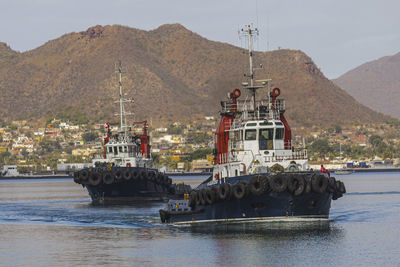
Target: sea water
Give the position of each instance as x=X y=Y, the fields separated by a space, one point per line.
x=53 y=223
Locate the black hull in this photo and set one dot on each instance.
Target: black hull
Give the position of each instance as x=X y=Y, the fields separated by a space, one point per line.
x=129 y=191
x=30 y=177
x=143 y=184
x=269 y=205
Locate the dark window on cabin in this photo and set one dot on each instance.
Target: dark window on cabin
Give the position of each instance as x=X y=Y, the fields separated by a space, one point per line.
x=279 y=134
x=269 y=123
x=252 y=124
x=115 y=150
x=125 y=149
x=251 y=134
x=120 y=149
x=266 y=137
x=278 y=123
x=110 y=149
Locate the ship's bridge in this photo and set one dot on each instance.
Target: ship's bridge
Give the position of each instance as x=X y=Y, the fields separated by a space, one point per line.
x=258 y=135
x=122 y=147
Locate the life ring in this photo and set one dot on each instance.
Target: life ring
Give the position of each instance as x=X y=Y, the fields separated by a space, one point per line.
x=209 y=196
x=128 y=164
x=84 y=175
x=258 y=185
x=278 y=183
x=224 y=191
x=293 y=167
x=118 y=174
x=108 y=178
x=296 y=184
x=237 y=93
x=319 y=183
x=127 y=174
x=95 y=178
x=240 y=190
x=276 y=92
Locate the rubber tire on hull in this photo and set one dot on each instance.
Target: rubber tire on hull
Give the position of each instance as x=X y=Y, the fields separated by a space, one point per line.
x=160 y=178
x=278 y=183
x=308 y=189
x=342 y=188
x=296 y=184
x=83 y=175
x=193 y=199
x=240 y=190
x=118 y=174
x=142 y=175
x=198 y=198
x=76 y=177
x=209 y=196
x=202 y=194
x=108 y=178
x=95 y=178
x=127 y=175
x=151 y=176
x=258 y=185
x=216 y=190
x=224 y=191
x=135 y=175
x=319 y=183
x=331 y=185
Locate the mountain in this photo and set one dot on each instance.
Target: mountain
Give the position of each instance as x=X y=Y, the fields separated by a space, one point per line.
x=375 y=84
x=171 y=72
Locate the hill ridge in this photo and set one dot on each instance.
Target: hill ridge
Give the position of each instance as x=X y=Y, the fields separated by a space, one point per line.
x=170 y=78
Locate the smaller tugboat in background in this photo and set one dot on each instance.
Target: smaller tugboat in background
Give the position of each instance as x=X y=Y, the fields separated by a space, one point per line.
x=124 y=173
x=252 y=139
x=11 y=172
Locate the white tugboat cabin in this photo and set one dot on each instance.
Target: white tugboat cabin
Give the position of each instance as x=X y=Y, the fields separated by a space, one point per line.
x=253 y=135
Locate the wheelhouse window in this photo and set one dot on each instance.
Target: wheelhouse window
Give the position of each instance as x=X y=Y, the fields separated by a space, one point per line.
x=266 y=137
x=279 y=134
x=251 y=135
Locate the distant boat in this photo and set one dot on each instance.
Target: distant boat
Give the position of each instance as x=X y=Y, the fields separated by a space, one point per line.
x=11 y=172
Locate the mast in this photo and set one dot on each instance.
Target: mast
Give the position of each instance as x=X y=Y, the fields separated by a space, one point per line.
x=123 y=113
x=121 y=104
x=249 y=33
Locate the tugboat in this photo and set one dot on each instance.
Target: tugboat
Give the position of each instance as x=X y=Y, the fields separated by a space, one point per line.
x=124 y=172
x=257 y=175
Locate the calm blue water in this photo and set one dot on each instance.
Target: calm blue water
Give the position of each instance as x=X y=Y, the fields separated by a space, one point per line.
x=52 y=223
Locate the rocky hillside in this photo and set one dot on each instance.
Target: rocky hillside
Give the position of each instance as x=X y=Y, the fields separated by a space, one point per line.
x=173 y=74
x=375 y=84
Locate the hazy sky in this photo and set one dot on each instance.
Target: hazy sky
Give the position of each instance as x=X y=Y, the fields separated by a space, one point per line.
x=338 y=35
